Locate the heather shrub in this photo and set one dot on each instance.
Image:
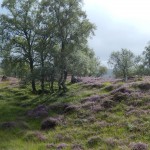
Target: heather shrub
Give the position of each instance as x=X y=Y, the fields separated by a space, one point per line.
x=132 y=127
x=63 y=138
x=50 y=146
x=118 y=97
x=40 y=111
x=8 y=125
x=94 y=141
x=139 y=146
x=58 y=107
x=111 y=142
x=49 y=123
x=34 y=136
x=93 y=98
x=144 y=86
x=61 y=146
x=108 y=103
x=71 y=109
x=77 y=147
x=109 y=88
x=136 y=103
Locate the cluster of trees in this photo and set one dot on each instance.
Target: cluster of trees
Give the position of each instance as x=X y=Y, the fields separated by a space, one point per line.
x=126 y=64
x=44 y=40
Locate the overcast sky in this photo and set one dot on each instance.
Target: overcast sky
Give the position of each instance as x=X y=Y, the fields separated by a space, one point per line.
x=120 y=24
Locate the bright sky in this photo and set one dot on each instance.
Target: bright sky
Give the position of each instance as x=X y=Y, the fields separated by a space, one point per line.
x=120 y=24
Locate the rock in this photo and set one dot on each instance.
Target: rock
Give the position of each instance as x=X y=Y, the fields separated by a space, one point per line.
x=49 y=123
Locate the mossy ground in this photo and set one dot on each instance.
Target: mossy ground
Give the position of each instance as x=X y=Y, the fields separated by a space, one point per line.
x=112 y=128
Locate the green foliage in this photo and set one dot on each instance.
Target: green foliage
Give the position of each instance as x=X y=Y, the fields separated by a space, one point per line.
x=84 y=63
x=143 y=67
x=146 y=54
x=122 y=62
x=45 y=35
x=142 y=63
x=14 y=66
x=94 y=141
x=101 y=71
x=1 y=71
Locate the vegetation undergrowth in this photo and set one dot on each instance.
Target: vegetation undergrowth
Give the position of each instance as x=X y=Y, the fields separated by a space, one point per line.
x=93 y=118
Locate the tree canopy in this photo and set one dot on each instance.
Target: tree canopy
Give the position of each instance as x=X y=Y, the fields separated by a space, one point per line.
x=48 y=38
x=122 y=63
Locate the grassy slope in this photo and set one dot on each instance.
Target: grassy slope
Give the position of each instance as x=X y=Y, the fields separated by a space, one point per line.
x=111 y=128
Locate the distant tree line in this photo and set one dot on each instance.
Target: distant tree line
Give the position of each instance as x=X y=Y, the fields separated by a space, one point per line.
x=125 y=64
x=45 y=40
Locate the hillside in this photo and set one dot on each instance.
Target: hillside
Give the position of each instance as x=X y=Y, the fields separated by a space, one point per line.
x=95 y=114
